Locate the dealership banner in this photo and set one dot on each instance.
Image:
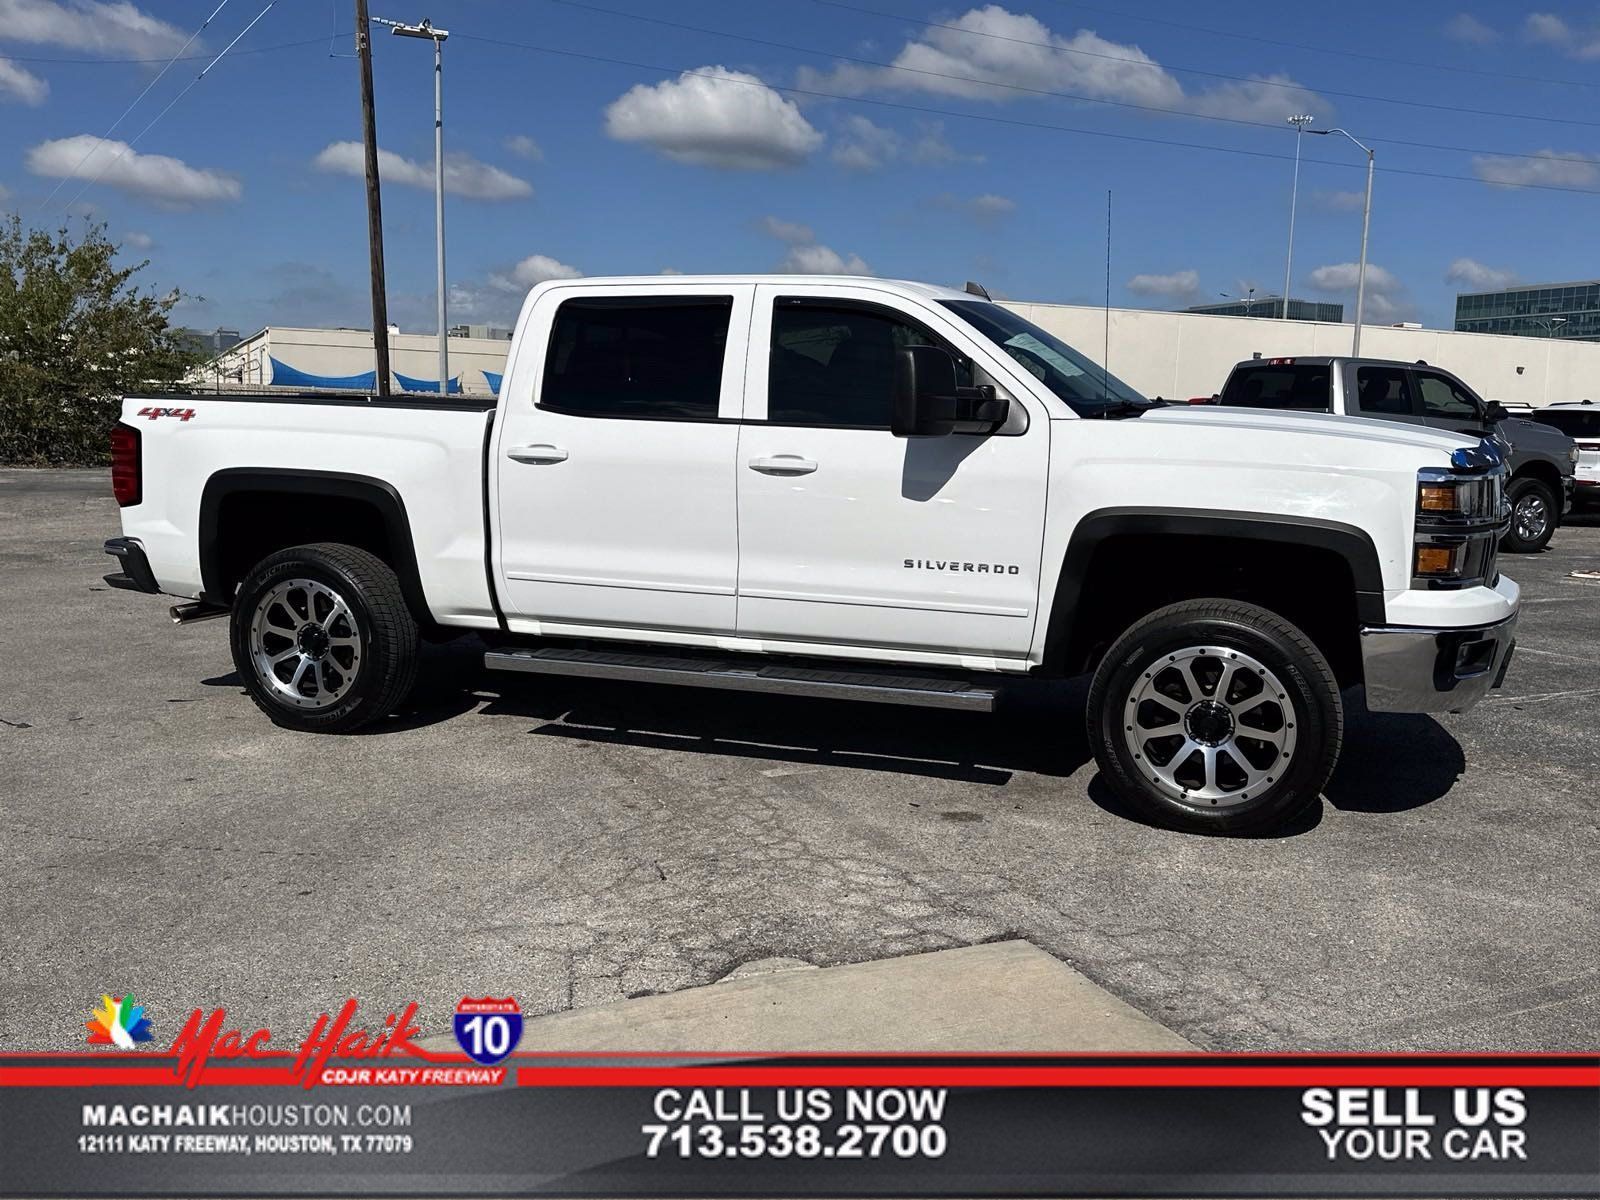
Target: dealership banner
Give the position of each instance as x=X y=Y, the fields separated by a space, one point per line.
x=353 y=1110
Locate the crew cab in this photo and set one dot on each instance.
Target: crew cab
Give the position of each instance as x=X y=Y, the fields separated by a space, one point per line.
x=1540 y=460
x=845 y=488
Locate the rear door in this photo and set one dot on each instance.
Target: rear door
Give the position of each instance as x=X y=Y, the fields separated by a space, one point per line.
x=1381 y=390
x=614 y=460
x=850 y=535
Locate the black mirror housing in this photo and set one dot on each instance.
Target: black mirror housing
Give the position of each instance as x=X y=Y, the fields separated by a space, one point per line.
x=1495 y=411
x=928 y=402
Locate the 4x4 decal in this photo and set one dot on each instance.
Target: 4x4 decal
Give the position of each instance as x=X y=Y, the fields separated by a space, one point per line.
x=183 y=414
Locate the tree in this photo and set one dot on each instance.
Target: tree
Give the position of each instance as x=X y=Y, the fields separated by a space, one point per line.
x=75 y=334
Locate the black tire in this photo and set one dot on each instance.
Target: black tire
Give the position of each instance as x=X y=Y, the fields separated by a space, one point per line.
x=366 y=654
x=1248 y=654
x=1535 y=512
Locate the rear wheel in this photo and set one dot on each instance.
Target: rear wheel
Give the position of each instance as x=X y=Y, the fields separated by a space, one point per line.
x=323 y=639
x=1215 y=716
x=1534 y=510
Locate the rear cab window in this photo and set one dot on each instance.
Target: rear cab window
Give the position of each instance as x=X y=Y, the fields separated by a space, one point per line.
x=1584 y=426
x=1297 y=386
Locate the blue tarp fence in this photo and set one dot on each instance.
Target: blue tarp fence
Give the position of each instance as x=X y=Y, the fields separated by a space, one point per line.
x=494 y=381
x=283 y=375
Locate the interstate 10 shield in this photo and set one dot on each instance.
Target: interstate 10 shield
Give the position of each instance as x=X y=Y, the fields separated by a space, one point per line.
x=488 y=1029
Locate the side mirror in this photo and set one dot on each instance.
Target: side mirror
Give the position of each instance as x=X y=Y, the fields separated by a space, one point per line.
x=927 y=402
x=1494 y=412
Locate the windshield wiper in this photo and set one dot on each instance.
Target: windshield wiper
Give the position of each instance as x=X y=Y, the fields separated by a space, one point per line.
x=1118 y=409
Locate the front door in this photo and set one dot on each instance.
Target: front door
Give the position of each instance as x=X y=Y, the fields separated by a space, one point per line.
x=850 y=535
x=614 y=464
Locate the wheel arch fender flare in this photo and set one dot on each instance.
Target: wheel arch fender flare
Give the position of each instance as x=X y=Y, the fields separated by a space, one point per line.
x=380 y=495
x=1351 y=543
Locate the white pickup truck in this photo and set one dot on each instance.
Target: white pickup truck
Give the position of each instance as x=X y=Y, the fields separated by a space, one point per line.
x=840 y=488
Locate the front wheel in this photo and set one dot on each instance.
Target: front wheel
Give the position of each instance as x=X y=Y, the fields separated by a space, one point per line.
x=1533 y=517
x=1215 y=716
x=323 y=639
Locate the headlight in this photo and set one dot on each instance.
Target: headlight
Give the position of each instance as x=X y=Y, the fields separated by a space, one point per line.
x=1461 y=511
x=1442 y=496
x=1572 y=455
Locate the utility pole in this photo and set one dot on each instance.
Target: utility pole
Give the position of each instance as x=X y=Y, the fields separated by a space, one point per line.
x=1299 y=121
x=369 y=137
x=426 y=29
x=1366 y=225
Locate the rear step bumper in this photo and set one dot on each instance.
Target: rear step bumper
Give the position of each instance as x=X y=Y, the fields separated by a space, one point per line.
x=733 y=675
x=135 y=575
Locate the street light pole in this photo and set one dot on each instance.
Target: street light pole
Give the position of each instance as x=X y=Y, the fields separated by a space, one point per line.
x=425 y=29
x=1299 y=121
x=1366 y=225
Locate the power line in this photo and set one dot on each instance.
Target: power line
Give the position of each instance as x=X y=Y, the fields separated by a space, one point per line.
x=1015 y=122
x=147 y=88
x=145 y=62
x=1408 y=63
x=117 y=157
x=1140 y=62
x=1032 y=91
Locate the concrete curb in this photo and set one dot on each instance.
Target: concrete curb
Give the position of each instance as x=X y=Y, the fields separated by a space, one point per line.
x=999 y=996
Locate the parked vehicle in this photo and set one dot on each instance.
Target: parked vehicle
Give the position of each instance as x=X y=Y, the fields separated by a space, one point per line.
x=847 y=488
x=1541 y=461
x=1580 y=421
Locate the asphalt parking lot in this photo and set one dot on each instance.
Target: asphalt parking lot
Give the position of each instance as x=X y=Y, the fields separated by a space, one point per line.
x=574 y=843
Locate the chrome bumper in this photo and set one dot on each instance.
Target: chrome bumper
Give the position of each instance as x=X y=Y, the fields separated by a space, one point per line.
x=1420 y=670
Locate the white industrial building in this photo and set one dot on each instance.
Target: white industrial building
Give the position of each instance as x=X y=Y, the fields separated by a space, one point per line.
x=1177 y=355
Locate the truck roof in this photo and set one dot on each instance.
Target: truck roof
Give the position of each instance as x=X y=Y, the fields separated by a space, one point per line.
x=905 y=287
x=1324 y=360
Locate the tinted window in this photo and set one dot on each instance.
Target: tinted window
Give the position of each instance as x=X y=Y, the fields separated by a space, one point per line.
x=635 y=357
x=1302 y=387
x=1574 y=424
x=1084 y=385
x=1441 y=398
x=1383 y=391
x=834 y=364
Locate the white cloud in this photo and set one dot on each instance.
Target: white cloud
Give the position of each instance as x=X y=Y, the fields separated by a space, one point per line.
x=139 y=241
x=1551 y=30
x=1556 y=168
x=168 y=181
x=862 y=145
x=1464 y=27
x=985 y=209
x=1340 y=201
x=90 y=26
x=1180 y=285
x=991 y=45
x=535 y=269
x=18 y=84
x=1473 y=274
x=1386 y=298
x=822 y=260
x=714 y=117
x=524 y=146
x=463 y=174
x=806 y=256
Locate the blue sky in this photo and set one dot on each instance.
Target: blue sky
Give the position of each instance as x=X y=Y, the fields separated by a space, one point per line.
x=908 y=138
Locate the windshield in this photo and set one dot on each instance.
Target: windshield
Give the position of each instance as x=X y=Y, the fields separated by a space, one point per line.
x=1085 y=386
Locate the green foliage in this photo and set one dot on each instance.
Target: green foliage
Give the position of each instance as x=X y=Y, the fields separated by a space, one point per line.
x=75 y=334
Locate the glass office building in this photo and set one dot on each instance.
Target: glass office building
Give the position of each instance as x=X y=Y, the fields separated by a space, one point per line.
x=1570 y=311
x=1272 y=306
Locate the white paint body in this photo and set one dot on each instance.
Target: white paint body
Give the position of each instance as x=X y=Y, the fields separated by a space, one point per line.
x=661 y=531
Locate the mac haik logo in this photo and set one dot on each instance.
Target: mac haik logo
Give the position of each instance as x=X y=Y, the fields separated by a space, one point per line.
x=488 y=1029
x=119 y=1022
x=205 y=1037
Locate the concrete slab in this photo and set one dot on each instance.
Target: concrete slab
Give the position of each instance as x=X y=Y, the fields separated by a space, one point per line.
x=999 y=996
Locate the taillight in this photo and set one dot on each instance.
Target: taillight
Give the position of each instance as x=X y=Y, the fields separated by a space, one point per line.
x=126 y=484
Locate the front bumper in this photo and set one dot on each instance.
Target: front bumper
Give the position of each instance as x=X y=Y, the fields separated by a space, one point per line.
x=1425 y=670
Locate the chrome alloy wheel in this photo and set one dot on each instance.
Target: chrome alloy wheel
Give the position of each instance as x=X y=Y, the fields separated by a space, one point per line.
x=305 y=643
x=1531 y=516
x=1210 y=725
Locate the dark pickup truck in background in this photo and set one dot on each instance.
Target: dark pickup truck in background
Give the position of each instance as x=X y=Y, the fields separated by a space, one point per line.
x=1542 y=459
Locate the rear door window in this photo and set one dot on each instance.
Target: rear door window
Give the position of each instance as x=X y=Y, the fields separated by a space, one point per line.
x=1301 y=387
x=652 y=358
x=1384 y=392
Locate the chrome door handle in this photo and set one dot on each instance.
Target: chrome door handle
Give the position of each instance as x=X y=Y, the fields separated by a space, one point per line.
x=783 y=464
x=537 y=454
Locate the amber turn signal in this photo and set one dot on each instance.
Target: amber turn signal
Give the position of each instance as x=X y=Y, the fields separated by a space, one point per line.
x=1437 y=560
x=1436 y=497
